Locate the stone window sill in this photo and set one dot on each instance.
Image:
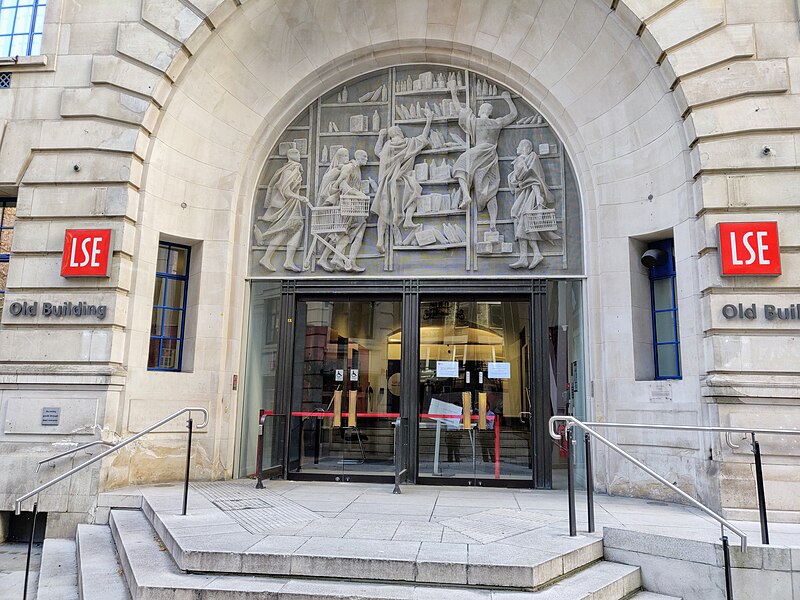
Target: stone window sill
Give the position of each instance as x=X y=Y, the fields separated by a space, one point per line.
x=22 y=63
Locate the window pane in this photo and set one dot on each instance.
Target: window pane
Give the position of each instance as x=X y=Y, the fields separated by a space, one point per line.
x=172 y=322
x=161 y=263
x=169 y=354
x=36 y=46
x=152 y=357
x=3 y=275
x=662 y=293
x=665 y=327
x=174 y=293
x=667 y=360
x=177 y=261
x=39 y=25
x=5 y=241
x=155 y=327
x=9 y=215
x=6 y=20
x=22 y=24
x=158 y=293
x=9 y=3
x=19 y=45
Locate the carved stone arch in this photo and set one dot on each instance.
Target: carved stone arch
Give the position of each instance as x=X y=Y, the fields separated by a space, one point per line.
x=238 y=85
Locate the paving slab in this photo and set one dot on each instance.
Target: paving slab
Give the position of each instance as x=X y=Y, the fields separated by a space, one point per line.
x=12 y=568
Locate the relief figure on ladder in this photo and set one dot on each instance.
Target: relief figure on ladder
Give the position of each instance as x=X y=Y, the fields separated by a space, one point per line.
x=398 y=190
x=347 y=187
x=285 y=214
x=526 y=181
x=478 y=170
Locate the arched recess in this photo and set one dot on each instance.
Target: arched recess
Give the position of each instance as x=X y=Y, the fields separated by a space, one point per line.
x=595 y=81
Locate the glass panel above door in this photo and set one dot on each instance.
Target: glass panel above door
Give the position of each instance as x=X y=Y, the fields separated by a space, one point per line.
x=474 y=378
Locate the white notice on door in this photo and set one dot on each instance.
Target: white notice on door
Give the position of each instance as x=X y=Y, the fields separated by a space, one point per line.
x=339 y=374
x=353 y=374
x=499 y=370
x=447 y=368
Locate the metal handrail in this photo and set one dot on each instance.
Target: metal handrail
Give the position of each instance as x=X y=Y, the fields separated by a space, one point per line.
x=125 y=442
x=742 y=430
x=72 y=451
x=586 y=427
x=114 y=448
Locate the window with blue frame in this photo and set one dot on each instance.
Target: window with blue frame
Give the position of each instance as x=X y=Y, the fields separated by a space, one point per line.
x=664 y=304
x=8 y=214
x=169 y=308
x=21 y=26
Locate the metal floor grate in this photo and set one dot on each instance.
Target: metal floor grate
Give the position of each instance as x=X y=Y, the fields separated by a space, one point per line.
x=258 y=511
x=494 y=525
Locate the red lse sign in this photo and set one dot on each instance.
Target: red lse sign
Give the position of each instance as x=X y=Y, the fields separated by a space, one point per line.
x=87 y=253
x=750 y=248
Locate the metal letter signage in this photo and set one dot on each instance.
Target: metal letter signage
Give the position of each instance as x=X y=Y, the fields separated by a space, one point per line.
x=87 y=253
x=750 y=248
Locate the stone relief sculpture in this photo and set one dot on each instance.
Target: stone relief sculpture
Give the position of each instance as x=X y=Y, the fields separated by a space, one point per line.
x=477 y=170
x=532 y=222
x=398 y=190
x=347 y=193
x=284 y=216
x=401 y=165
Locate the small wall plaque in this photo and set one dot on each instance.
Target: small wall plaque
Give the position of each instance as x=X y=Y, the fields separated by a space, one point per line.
x=51 y=416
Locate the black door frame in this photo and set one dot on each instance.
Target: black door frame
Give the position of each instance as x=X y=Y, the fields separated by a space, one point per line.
x=411 y=291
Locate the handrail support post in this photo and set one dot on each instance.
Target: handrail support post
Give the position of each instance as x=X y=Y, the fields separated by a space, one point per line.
x=589 y=482
x=30 y=548
x=262 y=417
x=189 y=424
x=726 y=557
x=762 y=499
x=573 y=526
x=397 y=462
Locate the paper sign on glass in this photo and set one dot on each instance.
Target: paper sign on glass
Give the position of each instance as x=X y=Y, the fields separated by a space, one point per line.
x=447 y=368
x=499 y=370
x=339 y=374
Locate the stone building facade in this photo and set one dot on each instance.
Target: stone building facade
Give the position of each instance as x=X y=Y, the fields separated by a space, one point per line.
x=156 y=118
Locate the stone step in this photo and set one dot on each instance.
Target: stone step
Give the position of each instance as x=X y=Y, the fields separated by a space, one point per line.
x=653 y=596
x=58 y=578
x=368 y=559
x=100 y=575
x=153 y=575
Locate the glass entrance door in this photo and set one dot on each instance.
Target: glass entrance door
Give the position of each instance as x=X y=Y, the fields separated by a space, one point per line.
x=346 y=388
x=474 y=392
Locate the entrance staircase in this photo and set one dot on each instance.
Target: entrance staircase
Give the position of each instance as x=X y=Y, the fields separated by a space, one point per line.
x=148 y=551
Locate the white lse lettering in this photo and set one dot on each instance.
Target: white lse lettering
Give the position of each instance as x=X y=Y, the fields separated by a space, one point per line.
x=87 y=256
x=760 y=246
